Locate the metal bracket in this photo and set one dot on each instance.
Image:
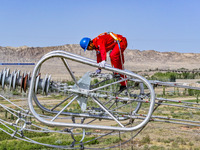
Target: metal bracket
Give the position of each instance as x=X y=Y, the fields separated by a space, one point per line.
x=84 y=83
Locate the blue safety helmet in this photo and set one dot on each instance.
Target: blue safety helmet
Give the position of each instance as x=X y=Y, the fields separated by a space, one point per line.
x=84 y=43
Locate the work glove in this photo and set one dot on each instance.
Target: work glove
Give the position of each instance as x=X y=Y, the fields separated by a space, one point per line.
x=98 y=71
x=102 y=64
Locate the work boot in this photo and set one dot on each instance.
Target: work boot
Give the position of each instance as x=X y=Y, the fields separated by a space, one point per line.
x=121 y=89
x=116 y=75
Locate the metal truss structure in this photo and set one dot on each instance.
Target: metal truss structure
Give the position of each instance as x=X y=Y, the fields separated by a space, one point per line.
x=92 y=108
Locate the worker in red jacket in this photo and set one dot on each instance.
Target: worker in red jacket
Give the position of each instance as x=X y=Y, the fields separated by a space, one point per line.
x=104 y=43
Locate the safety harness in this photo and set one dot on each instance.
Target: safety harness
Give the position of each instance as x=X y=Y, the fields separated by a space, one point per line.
x=118 y=40
x=114 y=36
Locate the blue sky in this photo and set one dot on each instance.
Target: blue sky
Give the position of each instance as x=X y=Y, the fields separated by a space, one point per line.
x=161 y=25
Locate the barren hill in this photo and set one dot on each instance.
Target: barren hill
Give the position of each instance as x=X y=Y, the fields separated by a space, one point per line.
x=135 y=59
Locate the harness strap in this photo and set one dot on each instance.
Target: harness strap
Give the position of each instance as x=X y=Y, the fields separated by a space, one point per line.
x=115 y=37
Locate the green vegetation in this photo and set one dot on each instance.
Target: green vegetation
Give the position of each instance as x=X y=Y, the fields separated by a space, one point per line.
x=57 y=96
x=9 y=143
x=15 y=92
x=145 y=140
x=172 y=76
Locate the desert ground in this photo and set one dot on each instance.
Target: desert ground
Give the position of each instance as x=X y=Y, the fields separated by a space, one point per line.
x=156 y=135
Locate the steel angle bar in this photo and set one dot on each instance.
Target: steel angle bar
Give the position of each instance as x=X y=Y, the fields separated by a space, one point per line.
x=183 y=120
x=106 y=110
x=177 y=105
x=14 y=111
x=64 y=108
x=176 y=101
x=89 y=62
x=12 y=103
x=130 y=99
x=14 y=125
x=125 y=105
x=70 y=72
x=168 y=121
x=11 y=109
x=105 y=91
x=174 y=122
x=173 y=84
x=95 y=89
x=42 y=130
x=112 y=104
x=98 y=83
x=168 y=118
x=62 y=102
x=110 y=99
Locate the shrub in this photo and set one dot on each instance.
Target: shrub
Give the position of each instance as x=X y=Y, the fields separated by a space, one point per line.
x=191 y=144
x=146 y=140
x=16 y=92
x=154 y=147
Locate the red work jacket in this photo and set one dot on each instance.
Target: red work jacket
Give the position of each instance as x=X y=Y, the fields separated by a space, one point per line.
x=103 y=44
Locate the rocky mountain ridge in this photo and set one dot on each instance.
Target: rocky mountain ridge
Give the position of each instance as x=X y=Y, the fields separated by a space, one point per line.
x=135 y=59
